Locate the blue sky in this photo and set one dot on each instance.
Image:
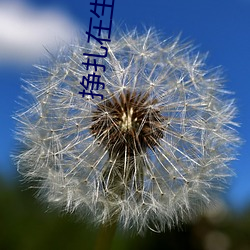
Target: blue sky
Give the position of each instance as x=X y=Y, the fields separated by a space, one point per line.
x=221 y=27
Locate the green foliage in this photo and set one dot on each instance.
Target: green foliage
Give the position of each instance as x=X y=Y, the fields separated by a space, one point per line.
x=25 y=225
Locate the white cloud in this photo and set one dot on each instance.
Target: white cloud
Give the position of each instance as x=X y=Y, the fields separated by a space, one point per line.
x=24 y=31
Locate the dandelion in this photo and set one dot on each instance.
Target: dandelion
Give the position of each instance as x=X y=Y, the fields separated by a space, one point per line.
x=152 y=153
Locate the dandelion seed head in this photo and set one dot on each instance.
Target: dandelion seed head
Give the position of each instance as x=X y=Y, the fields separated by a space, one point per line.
x=153 y=153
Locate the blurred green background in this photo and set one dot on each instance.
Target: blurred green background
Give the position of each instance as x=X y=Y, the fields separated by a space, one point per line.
x=27 y=225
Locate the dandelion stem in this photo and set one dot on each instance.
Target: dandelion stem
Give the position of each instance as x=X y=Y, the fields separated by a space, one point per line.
x=105 y=236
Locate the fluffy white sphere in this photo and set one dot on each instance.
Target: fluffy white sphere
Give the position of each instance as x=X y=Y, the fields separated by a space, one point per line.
x=151 y=153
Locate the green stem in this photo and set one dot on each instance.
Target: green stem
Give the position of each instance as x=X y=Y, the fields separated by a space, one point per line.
x=105 y=236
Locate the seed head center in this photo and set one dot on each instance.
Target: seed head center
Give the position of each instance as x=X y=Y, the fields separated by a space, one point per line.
x=127 y=122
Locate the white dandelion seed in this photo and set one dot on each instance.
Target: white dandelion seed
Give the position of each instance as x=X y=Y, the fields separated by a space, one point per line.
x=150 y=154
